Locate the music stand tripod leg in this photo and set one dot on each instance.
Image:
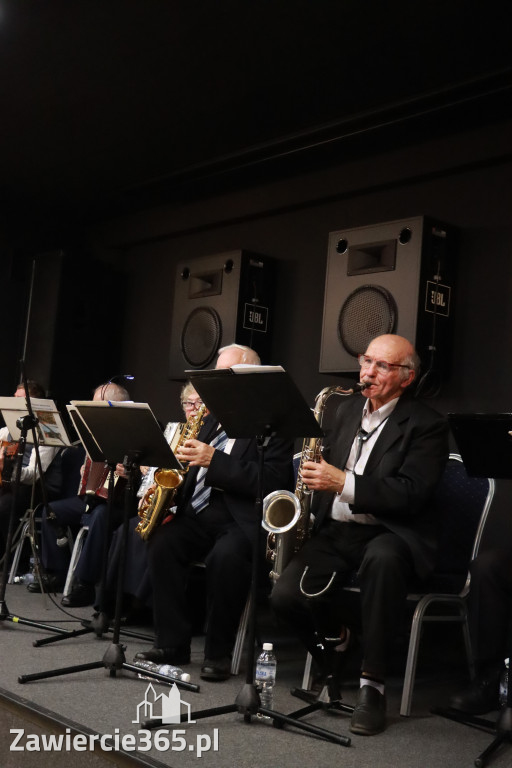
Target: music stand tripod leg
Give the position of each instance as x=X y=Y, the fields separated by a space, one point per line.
x=114 y=658
x=100 y=623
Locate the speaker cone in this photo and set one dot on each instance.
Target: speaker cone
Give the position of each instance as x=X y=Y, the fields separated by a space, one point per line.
x=200 y=337
x=367 y=312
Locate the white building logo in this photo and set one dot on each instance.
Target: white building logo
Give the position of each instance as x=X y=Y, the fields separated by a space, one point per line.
x=165 y=706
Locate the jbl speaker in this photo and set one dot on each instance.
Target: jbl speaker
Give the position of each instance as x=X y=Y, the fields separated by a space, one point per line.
x=219 y=300
x=394 y=277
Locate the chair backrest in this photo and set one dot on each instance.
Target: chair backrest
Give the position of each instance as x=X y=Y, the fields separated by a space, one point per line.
x=63 y=475
x=461 y=505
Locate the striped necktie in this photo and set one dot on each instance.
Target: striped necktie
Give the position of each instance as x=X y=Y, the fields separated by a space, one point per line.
x=201 y=495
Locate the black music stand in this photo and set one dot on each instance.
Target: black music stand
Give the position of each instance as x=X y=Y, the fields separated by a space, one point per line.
x=127 y=432
x=45 y=427
x=100 y=623
x=276 y=408
x=485 y=444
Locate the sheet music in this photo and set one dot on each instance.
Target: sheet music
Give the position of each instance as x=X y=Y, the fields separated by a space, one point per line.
x=87 y=439
x=50 y=428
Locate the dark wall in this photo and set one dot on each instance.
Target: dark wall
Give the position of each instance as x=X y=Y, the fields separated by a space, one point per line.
x=64 y=315
x=464 y=180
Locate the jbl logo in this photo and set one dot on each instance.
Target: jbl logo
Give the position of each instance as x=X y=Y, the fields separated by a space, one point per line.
x=438 y=298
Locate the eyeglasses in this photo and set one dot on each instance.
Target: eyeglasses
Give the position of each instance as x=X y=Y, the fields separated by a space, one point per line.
x=381 y=365
x=196 y=404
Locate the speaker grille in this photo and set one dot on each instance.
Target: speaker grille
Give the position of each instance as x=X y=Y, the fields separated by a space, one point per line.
x=367 y=312
x=200 y=338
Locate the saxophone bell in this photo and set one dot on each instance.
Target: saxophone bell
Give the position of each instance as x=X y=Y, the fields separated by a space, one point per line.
x=159 y=498
x=281 y=511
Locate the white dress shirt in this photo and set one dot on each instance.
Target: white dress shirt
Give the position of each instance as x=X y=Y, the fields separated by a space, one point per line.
x=372 y=423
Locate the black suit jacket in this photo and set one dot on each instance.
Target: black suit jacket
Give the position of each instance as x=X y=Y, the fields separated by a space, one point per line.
x=401 y=474
x=236 y=475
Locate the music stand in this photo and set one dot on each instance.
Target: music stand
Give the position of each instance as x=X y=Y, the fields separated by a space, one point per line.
x=40 y=419
x=485 y=444
x=129 y=433
x=100 y=623
x=260 y=403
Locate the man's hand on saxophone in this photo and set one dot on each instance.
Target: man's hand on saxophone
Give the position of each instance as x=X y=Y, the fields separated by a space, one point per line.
x=195 y=454
x=321 y=476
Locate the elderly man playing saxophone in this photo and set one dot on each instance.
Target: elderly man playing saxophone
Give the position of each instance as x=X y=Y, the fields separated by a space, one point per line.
x=383 y=457
x=216 y=521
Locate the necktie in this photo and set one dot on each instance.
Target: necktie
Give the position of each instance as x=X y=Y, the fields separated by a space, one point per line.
x=201 y=495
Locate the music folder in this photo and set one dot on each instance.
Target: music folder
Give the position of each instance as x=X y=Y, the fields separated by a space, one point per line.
x=251 y=400
x=115 y=430
x=485 y=443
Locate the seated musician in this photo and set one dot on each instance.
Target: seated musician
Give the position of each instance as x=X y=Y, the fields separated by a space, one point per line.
x=215 y=522
x=83 y=509
x=137 y=592
x=29 y=471
x=384 y=456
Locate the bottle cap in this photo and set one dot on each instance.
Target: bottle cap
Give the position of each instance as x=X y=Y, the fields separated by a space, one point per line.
x=268 y=646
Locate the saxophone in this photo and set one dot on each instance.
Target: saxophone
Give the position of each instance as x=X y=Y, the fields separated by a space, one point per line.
x=289 y=513
x=158 y=499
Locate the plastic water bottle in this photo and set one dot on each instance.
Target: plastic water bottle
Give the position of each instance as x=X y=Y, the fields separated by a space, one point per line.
x=266 y=666
x=173 y=673
x=29 y=577
x=504 y=683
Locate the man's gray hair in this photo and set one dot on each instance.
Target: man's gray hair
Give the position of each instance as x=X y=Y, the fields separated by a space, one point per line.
x=249 y=357
x=413 y=363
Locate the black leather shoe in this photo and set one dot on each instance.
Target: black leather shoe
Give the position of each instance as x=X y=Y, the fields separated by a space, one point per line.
x=369 y=716
x=176 y=655
x=216 y=669
x=479 y=697
x=50 y=584
x=80 y=595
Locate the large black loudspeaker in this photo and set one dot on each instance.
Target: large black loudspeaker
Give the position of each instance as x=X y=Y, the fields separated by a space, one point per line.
x=394 y=277
x=219 y=300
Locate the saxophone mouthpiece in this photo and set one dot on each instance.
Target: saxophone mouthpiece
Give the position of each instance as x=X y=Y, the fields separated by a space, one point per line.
x=361 y=385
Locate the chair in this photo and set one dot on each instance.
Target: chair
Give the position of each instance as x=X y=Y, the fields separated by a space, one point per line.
x=461 y=505
x=75 y=557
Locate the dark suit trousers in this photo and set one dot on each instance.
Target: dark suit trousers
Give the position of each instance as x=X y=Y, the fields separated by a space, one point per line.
x=385 y=570
x=490 y=607
x=227 y=552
